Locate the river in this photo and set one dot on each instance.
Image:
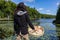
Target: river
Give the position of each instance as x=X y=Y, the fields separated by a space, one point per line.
x=49 y=30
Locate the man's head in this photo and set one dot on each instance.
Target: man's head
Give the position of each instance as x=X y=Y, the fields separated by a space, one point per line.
x=20 y=5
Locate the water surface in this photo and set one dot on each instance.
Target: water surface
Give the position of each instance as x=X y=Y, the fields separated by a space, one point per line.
x=49 y=29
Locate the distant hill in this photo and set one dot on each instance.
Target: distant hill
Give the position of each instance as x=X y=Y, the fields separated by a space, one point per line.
x=47 y=16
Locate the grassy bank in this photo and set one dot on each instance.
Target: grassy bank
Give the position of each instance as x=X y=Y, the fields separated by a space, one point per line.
x=58 y=29
x=6 y=30
x=58 y=25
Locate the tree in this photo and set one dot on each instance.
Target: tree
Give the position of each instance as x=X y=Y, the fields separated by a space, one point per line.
x=7 y=8
x=58 y=15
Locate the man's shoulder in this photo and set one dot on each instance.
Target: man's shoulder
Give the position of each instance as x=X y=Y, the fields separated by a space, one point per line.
x=26 y=14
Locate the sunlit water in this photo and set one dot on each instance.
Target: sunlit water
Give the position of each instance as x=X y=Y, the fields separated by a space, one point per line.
x=49 y=30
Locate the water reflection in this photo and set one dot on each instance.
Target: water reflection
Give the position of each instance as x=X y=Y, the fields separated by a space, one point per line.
x=49 y=28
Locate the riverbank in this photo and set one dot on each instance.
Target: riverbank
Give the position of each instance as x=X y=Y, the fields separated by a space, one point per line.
x=58 y=29
x=6 y=30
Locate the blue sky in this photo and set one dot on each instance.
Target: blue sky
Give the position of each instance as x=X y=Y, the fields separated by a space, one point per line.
x=43 y=6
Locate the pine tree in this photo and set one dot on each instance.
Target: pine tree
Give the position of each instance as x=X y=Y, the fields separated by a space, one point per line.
x=58 y=15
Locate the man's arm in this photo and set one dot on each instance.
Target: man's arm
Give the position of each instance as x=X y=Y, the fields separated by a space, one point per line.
x=29 y=21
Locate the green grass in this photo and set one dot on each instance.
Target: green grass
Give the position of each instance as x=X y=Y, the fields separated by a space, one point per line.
x=58 y=25
x=58 y=29
x=6 y=30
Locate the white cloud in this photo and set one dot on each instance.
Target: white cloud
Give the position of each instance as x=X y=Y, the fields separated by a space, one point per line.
x=57 y=3
x=28 y=0
x=25 y=3
x=48 y=13
x=40 y=9
x=47 y=10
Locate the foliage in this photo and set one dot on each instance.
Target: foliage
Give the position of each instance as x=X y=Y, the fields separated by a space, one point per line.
x=34 y=14
x=6 y=8
x=58 y=16
x=47 y=16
